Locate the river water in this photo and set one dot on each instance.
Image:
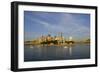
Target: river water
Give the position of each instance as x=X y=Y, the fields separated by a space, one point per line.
x=40 y=53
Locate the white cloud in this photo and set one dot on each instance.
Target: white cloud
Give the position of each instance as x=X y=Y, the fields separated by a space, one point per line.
x=67 y=24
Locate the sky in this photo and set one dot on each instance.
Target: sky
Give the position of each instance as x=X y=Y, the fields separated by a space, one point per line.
x=36 y=24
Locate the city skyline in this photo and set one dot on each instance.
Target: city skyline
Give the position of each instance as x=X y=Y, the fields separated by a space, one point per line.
x=37 y=24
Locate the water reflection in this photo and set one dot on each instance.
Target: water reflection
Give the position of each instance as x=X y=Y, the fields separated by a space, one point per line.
x=42 y=53
x=70 y=50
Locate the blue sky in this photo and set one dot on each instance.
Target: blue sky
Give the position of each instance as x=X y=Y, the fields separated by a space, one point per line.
x=42 y=23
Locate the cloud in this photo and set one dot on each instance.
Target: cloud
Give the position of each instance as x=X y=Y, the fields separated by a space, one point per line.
x=74 y=26
x=69 y=24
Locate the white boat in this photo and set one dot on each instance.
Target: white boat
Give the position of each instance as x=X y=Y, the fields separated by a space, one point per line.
x=31 y=46
x=65 y=47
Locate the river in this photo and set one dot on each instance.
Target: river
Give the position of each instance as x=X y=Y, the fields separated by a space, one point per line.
x=45 y=53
